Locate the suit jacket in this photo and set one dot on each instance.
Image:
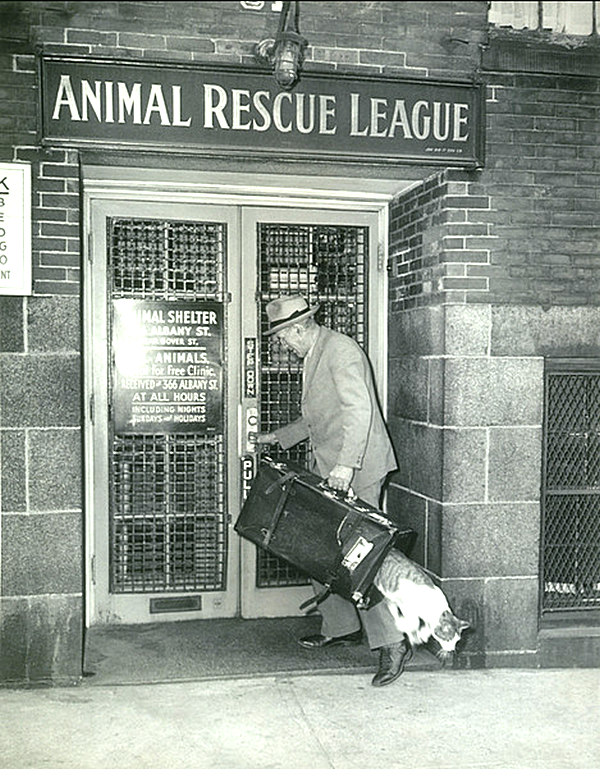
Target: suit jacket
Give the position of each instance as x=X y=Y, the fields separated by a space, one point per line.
x=340 y=411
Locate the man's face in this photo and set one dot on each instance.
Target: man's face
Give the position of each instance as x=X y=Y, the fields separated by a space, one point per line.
x=294 y=338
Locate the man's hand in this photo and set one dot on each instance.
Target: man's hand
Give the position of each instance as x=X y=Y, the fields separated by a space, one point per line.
x=265 y=438
x=340 y=477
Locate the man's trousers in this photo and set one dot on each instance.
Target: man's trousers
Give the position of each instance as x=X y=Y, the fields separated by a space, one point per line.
x=341 y=617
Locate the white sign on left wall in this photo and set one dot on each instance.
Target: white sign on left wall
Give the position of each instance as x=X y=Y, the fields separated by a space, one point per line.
x=15 y=229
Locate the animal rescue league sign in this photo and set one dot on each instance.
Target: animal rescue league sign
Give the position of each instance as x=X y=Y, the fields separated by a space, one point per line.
x=225 y=110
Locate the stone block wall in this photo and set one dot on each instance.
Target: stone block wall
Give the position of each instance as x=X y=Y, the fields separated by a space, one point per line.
x=467 y=424
x=41 y=555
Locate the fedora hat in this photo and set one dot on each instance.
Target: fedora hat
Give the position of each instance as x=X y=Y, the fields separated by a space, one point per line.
x=286 y=311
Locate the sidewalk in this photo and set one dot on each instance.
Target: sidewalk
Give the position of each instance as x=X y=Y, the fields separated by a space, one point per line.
x=496 y=719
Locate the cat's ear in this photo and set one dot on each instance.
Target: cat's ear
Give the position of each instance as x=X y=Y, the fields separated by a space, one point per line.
x=463 y=625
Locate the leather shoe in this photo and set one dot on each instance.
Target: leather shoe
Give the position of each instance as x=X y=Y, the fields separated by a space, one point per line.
x=322 y=641
x=392 y=660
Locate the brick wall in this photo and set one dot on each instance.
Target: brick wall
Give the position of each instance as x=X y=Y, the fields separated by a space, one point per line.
x=525 y=230
x=491 y=272
x=440 y=242
x=400 y=38
x=543 y=175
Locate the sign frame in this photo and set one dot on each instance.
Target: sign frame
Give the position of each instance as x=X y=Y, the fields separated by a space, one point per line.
x=361 y=149
x=15 y=229
x=168 y=373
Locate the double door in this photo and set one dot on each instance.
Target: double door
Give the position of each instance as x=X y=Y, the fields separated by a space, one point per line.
x=179 y=374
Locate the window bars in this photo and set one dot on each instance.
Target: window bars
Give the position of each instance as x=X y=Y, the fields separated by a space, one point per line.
x=571 y=489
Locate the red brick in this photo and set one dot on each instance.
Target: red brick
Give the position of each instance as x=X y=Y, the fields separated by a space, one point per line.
x=55 y=288
x=135 y=40
x=467 y=202
x=455 y=283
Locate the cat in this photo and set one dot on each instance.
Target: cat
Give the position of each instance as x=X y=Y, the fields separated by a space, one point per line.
x=419 y=607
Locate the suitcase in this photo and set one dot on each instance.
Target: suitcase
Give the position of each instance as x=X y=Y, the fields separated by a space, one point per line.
x=340 y=542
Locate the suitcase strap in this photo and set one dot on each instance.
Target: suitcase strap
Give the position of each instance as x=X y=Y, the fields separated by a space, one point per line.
x=316 y=599
x=285 y=484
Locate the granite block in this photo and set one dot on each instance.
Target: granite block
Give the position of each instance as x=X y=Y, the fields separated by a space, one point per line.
x=42 y=553
x=13 y=471
x=55 y=471
x=12 y=337
x=406 y=509
x=54 y=324
x=556 y=332
x=515 y=459
x=492 y=540
x=57 y=638
x=511 y=613
x=408 y=388
x=433 y=545
x=419 y=452
x=416 y=332
x=576 y=646
x=14 y=639
x=502 y=614
x=464 y=465
x=466 y=599
x=436 y=391
x=488 y=391
x=40 y=390
x=467 y=330
x=41 y=639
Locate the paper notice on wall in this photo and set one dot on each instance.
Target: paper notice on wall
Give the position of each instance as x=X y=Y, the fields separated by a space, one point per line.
x=15 y=229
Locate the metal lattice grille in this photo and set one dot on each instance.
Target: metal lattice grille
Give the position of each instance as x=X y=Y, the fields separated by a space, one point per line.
x=168 y=522
x=168 y=515
x=155 y=259
x=327 y=265
x=571 y=536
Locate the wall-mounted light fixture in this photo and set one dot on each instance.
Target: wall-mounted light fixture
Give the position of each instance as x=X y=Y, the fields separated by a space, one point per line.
x=285 y=54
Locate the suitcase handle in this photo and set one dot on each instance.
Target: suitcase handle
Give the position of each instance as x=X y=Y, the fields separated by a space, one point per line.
x=348 y=496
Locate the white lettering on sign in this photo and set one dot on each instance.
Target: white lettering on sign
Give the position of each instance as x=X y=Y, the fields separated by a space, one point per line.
x=166 y=377
x=383 y=118
x=15 y=229
x=131 y=102
x=194 y=107
x=239 y=110
x=159 y=317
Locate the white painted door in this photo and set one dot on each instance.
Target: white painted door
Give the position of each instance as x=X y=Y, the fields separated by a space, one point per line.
x=177 y=373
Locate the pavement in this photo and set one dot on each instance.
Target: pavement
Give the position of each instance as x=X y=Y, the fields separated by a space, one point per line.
x=427 y=719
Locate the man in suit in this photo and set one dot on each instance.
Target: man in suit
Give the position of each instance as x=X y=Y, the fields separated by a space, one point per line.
x=342 y=419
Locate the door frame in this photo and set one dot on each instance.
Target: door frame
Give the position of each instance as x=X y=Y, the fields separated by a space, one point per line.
x=108 y=185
